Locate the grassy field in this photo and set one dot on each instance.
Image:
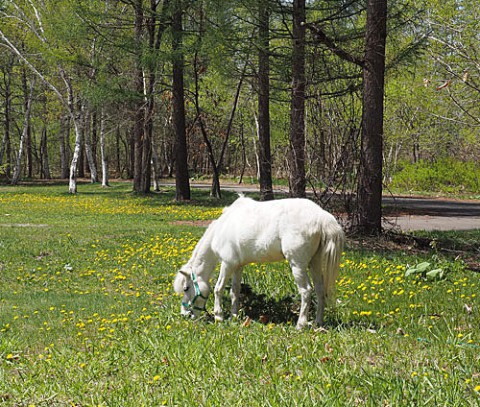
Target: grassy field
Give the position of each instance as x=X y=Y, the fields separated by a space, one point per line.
x=88 y=316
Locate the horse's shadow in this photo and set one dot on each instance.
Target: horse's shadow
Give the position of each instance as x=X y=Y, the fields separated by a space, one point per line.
x=259 y=307
x=285 y=310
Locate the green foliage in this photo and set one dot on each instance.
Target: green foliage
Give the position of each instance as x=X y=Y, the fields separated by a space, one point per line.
x=436 y=268
x=88 y=316
x=3 y=169
x=446 y=175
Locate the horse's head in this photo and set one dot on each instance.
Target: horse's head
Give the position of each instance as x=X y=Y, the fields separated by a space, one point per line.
x=195 y=292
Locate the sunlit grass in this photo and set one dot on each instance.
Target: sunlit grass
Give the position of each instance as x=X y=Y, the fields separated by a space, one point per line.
x=88 y=317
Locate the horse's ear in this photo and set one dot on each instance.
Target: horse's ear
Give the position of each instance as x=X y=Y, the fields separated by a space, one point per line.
x=179 y=283
x=184 y=272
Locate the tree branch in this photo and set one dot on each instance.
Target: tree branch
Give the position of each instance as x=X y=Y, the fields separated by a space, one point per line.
x=319 y=37
x=15 y=50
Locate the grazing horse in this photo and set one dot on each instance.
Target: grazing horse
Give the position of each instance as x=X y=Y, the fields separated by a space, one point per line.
x=258 y=232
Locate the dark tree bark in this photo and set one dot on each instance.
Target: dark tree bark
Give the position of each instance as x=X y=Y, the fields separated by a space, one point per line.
x=142 y=144
x=265 y=157
x=28 y=130
x=369 y=213
x=44 y=163
x=63 y=135
x=296 y=157
x=5 y=148
x=26 y=126
x=182 y=182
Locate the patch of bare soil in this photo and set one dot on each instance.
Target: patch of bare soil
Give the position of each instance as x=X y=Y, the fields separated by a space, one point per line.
x=199 y=223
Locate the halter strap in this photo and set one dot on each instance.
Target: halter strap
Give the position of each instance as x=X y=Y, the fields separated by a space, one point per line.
x=198 y=294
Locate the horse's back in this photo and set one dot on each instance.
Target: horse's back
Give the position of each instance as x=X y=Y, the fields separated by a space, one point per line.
x=251 y=231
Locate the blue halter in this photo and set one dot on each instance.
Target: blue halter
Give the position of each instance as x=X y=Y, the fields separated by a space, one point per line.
x=198 y=294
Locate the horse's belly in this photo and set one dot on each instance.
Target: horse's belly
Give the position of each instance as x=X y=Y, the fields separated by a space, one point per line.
x=263 y=253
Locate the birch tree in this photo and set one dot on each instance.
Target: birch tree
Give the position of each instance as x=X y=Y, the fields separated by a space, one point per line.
x=32 y=18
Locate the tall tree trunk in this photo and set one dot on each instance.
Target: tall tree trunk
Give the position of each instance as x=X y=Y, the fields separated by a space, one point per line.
x=182 y=183
x=297 y=181
x=78 y=126
x=103 y=151
x=45 y=165
x=62 y=140
x=28 y=130
x=118 y=138
x=26 y=125
x=89 y=152
x=265 y=156
x=369 y=212
x=5 y=147
x=141 y=167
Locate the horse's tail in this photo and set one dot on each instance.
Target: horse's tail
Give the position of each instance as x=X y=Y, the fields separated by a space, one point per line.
x=327 y=258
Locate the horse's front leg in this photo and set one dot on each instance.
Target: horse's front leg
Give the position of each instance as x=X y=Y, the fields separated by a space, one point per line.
x=226 y=271
x=235 y=290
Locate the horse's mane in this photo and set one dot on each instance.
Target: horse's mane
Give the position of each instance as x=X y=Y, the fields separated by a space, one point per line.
x=241 y=200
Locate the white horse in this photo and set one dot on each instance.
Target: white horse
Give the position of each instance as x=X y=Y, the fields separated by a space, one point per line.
x=258 y=232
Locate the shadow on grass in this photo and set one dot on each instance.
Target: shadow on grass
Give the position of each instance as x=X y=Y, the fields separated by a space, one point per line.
x=260 y=308
x=285 y=310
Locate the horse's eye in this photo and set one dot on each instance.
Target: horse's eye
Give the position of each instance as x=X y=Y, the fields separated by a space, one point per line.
x=185 y=289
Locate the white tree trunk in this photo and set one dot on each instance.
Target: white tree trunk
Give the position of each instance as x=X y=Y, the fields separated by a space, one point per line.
x=72 y=186
x=103 y=151
x=91 y=161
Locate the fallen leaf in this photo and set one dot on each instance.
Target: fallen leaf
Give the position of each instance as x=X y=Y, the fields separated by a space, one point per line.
x=263 y=319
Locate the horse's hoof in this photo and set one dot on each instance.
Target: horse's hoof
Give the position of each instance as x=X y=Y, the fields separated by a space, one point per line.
x=301 y=325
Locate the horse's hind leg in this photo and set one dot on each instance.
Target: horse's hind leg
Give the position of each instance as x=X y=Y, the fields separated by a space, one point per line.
x=304 y=287
x=317 y=278
x=235 y=290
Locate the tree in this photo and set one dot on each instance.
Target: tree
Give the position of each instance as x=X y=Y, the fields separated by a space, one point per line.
x=297 y=181
x=182 y=182
x=369 y=211
x=7 y=68
x=23 y=138
x=38 y=21
x=265 y=157
x=142 y=144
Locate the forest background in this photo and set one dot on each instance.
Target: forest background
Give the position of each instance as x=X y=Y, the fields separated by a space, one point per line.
x=92 y=85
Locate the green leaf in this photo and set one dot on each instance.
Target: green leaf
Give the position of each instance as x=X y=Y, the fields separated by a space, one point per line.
x=422 y=267
x=436 y=273
x=410 y=271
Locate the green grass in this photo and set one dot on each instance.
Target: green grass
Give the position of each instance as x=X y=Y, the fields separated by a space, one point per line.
x=445 y=176
x=88 y=316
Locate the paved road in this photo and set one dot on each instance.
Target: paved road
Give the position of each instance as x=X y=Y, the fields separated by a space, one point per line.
x=407 y=213
x=431 y=214
x=433 y=206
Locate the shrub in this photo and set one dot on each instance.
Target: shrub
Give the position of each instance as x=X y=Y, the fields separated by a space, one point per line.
x=445 y=175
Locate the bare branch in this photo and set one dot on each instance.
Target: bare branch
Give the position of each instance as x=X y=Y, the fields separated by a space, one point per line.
x=320 y=37
x=16 y=51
